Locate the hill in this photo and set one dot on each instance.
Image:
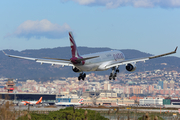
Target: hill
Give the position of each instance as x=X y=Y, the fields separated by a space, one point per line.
x=26 y=69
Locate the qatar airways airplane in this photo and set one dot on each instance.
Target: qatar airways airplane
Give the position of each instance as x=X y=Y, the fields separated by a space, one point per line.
x=94 y=62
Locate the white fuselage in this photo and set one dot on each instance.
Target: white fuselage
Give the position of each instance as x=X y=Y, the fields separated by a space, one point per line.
x=67 y=104
x=99 y=63
x=121 y=104
x=29 y=102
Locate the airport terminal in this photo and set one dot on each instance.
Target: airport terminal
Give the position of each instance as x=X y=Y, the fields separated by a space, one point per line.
x=28 y=97
x=100 y=97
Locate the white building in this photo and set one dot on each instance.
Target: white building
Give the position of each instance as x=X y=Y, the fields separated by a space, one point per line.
x=103 y=94
x=152 y=101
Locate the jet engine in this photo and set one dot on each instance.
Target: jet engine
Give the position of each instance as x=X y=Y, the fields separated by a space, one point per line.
x=131 y=67
x=75 y=69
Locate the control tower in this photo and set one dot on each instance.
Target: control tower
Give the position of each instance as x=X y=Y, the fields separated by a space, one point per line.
x=10 y=85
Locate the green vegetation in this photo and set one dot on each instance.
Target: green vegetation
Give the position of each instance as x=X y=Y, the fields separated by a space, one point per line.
x=65 y=114
x=150 y=117
x=6 y=113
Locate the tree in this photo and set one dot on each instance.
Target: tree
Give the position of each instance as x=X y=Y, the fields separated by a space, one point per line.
x=66 y=114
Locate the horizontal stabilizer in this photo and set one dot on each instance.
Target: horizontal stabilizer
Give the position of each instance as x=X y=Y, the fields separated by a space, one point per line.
x=56 y=59
x=82 y=59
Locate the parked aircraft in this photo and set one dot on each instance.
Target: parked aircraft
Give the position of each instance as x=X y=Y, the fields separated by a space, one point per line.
x=69 y=103
x=121 y=104
x=100 y=61
x=32 y=102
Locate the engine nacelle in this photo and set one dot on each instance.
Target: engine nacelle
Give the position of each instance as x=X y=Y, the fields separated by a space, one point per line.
x=131 y=67
x=75 y=69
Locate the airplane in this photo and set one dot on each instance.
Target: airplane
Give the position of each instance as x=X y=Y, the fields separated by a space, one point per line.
x=31 y=102
x=121 y=104
x=69 y=104
x=100 y=61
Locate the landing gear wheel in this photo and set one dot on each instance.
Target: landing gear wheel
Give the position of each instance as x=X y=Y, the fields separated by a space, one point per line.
x=110 y=76
x=117 y=71
x=79 y=78
x=115 y=74
x=82 y=76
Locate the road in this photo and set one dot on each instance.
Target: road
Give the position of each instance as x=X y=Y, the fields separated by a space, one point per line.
x=32 y=108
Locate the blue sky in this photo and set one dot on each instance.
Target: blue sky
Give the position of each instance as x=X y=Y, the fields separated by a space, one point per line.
x=151 y=26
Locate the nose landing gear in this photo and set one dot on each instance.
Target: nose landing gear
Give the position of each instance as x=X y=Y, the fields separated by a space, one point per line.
x=82 y=76
x=113 y=74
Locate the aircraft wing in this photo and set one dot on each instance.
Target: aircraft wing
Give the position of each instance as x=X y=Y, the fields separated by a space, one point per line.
x=63 y=62
x=117 y=63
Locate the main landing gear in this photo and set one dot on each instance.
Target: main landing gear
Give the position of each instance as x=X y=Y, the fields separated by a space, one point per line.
x=114 y=72
x=82 y=76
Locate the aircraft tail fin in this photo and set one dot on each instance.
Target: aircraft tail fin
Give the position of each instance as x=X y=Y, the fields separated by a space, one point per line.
x=81 y=101
x=39 y=101
x=74 y=50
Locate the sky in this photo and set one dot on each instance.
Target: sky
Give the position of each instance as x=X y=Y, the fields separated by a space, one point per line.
x=151 y=26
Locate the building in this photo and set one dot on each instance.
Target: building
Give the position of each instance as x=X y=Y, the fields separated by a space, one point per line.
x=136 y=98
x=160 y=83
x=10 y=85
x=107 y=86
x=171 y=84
x=125 y=101
x=18 y=97
x=107 y=101
x=136 y=90
x=175 y=101
x=151 y=101
x=90 y=94
x=108 y=94
x=165 y=84
x=166 y=101
x=151 y=88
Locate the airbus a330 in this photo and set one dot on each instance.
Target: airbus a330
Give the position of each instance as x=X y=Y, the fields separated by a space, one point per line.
x=100 y=61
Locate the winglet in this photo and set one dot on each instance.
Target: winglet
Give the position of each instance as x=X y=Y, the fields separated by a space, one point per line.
x=81 y=100
x=176 y=49
x=39 y=101
x=4 y=52
x=164 y=54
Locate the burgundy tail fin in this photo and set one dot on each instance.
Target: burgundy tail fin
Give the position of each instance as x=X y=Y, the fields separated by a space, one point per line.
x=74 y=50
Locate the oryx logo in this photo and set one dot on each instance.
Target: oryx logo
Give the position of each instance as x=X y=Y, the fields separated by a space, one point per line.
x=73 y=46
x=118 y=56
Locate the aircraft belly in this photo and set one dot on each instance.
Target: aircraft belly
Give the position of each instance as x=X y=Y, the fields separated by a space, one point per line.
x=88 y=68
